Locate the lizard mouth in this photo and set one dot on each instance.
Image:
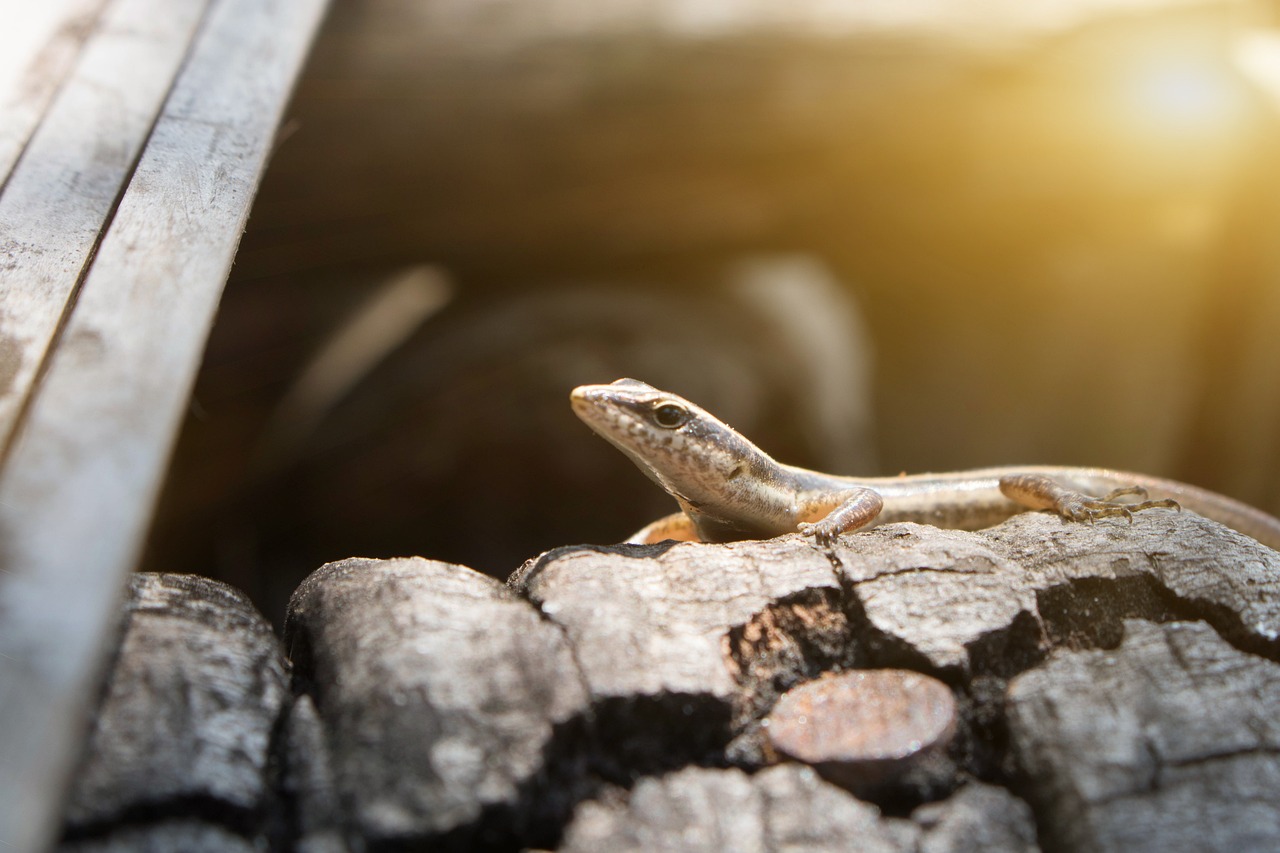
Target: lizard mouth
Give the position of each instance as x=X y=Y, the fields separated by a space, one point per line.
x=590 y=403
x=597 y=408
x=604 y=404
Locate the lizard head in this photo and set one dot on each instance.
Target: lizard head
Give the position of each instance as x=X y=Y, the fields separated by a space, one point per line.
x=691 y=454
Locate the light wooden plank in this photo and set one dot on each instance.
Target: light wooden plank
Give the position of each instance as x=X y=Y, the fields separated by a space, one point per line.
x=76 y=494
x=39 y=43
x=62 y=191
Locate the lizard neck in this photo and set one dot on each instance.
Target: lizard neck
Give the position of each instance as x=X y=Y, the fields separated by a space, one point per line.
x=729 y=487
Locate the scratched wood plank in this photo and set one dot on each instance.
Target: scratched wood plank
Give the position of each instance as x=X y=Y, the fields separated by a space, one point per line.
x=71 y=174
x=39 y=43
x=77 y=488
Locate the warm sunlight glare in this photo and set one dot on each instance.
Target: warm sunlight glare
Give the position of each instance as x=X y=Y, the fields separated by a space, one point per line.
x=1257 y=55
x=1184 y=95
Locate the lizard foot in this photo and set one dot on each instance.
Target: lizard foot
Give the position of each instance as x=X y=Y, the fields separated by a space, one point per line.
x=1081 y=507
x=1038 y=492
x=824 y=532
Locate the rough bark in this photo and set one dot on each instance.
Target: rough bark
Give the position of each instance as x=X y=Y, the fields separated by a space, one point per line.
x=443 y=699
x=182 y=739
x=1112 y=687
x=190 y=836
x=789 y=807
x=1169 y=742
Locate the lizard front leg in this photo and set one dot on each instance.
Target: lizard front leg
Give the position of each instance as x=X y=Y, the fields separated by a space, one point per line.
x=828 y=514
x=1035 y=491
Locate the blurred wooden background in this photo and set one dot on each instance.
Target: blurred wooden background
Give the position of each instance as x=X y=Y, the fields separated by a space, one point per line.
x=874 y=237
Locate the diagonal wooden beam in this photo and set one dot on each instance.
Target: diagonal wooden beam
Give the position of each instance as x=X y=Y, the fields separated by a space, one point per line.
x=80 y=479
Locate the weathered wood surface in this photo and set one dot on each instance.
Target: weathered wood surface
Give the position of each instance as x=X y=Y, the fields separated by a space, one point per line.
x=445 y=700
x=38 y=48
x=117 y=230
x=789 y=808
x=1169 y=742
x=1114 y=687
x=184 y=731
x=58 y=200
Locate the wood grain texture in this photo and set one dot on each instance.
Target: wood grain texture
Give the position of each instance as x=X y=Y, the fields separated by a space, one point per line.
x=615 y=698
x=666 y=610
x=945 y=593
x=60 y=197
x=192 y=702
x=1168 y=742
x=442 y=697
x=939 y=593
x=38 y=48
x=790 y=808
x=189 y=836
x=79 y=482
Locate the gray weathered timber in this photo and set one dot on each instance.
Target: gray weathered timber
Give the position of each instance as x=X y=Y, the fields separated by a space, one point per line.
x=790 y=807
x=188 y=836
x=942 y=592
x=79 y=480
x=669 y=608
x=1169 y=742
x=197 y=689
x=619 y=697
x=964 y=606
x=935 y=597
x=443 y=697
x=681 y=646
x=975 y=819
x=307 y=782
x=699 y=809
x=40 y=46
x=59 y=197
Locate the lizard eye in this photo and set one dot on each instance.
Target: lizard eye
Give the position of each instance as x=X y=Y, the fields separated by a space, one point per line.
x=670 y=416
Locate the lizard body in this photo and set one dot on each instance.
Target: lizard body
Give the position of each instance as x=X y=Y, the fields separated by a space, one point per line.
x=728 y=489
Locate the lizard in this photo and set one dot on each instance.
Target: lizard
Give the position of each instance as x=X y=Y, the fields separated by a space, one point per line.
x=729 y=489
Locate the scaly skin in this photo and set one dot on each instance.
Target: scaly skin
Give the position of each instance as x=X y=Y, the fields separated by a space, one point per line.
x=729 y=489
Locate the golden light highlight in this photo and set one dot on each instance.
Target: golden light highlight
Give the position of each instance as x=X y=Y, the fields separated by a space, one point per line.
x=1181 y=94
x=1176 y=87
x=1257 y=55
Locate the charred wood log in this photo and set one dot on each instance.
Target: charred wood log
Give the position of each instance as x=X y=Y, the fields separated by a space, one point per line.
x=1040 y=684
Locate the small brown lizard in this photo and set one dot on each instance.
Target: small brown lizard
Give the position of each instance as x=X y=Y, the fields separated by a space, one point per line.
x=729 y=489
